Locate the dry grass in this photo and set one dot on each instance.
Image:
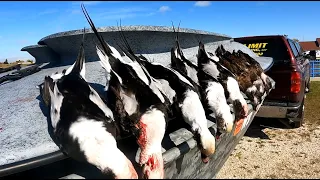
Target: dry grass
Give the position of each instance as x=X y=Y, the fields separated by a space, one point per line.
x=312 y=104
x=6 y=65
x=12 y=64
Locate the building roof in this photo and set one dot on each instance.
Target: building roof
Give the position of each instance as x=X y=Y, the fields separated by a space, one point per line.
x=310 y=45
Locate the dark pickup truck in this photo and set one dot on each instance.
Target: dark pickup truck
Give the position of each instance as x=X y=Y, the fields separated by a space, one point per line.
x=291 y=72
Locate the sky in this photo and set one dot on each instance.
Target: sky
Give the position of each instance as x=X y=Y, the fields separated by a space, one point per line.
x=25 y=23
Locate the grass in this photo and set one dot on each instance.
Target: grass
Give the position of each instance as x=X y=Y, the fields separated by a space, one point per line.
x=312 y=104
x=2 y=65
x=5 y=65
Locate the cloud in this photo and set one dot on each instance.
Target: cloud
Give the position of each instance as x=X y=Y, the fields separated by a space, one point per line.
x=202 y=3
x=164 y=9
x=49 y=11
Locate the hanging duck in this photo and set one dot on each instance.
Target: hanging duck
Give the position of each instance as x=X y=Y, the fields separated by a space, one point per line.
x=83 y=124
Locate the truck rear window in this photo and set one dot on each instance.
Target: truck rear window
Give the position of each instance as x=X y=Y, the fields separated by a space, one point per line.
x=267 y=47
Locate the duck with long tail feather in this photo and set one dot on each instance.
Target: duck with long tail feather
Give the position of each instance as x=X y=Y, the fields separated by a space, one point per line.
x=83 y=124
x=183 y=97
x=212 y=92
x=135 y=98
x=226 y=78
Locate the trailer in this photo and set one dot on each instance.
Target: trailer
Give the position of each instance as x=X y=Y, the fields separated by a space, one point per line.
x=27 y=148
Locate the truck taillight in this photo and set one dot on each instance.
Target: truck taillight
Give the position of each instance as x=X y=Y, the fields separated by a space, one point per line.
x=295 y=82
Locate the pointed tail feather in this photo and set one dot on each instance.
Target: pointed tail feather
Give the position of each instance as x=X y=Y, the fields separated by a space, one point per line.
x=79 y=65
x=179 y=50
x=104 y=61
x=105 y=47
x=129 y=52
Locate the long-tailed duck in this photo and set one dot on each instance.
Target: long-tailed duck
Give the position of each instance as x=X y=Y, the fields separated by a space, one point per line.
x=212 y=92
x=183 y=96
x=209 y=66
x=138 y=103
x=83 y=124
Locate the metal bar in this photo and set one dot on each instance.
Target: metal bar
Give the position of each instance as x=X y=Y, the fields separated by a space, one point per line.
x=312 y=68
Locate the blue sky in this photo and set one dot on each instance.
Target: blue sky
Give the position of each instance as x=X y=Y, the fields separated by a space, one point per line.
x=25 y=23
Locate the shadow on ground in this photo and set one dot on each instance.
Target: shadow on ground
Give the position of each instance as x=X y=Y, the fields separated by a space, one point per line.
x=255 y=130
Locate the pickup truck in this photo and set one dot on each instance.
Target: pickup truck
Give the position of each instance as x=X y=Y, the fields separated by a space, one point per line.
x=291 y=72
x=27 y=148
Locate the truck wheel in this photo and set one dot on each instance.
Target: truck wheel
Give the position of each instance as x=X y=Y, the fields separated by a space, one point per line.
x=299 y=120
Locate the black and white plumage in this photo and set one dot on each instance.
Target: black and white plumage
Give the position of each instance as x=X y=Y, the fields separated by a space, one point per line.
x=211 y=91
x=83 y=124
x=137 y=103
x=249 y=74
x=183 y=96
x=209 y=66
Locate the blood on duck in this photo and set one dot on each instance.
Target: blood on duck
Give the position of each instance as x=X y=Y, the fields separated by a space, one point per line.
x=83 y=125
x=137 y=102
x=182 y=95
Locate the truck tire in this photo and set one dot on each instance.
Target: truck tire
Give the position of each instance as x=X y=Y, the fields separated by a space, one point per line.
x=299 y=120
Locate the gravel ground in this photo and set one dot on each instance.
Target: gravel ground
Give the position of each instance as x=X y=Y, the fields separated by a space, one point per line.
x=275 y=152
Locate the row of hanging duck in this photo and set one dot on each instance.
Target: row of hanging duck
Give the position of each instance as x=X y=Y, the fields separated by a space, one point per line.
x=142 y=97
